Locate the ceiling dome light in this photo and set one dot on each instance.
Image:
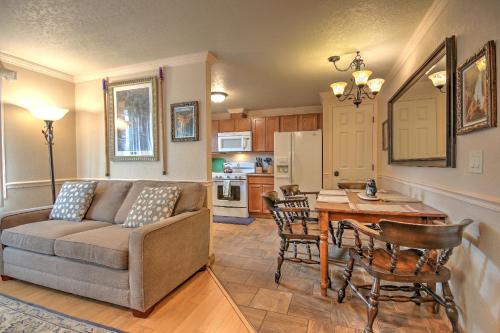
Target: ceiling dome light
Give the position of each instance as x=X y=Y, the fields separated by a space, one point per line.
x=375 y=85
x=438 y=79
x=218 y=96
x=361 y=77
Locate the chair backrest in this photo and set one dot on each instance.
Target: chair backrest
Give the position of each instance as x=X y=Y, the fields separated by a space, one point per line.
x=290 y=190
x=270 y=199
x=423 y=236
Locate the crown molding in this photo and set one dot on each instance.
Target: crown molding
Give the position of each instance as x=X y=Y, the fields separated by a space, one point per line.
x=181 y=60
x=429 y=19
x=26 y=64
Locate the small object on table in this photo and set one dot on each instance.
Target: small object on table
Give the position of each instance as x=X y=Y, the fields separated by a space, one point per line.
x=371 y=188
x=363 y=196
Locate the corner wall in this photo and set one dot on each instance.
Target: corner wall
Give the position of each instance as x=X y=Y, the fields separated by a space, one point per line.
x=26 y=156
x=476 y=265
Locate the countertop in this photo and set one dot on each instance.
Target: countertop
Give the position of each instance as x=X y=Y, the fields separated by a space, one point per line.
x=260 y=174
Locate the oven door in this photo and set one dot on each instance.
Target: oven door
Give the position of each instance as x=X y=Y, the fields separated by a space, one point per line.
x=236 y=198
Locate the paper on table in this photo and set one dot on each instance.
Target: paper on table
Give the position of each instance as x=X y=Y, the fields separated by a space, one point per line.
x=333 y=198
x=384 y=208
x=396 y=198
x=332 y=192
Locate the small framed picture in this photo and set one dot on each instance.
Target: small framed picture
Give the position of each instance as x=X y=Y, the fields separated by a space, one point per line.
x=385 y=135
x=184 y=121
x=476 y=91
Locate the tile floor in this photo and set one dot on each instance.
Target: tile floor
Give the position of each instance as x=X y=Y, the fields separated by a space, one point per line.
x=245 y=263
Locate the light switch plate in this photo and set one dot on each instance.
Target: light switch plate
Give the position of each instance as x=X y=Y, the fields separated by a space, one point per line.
x=475 y=161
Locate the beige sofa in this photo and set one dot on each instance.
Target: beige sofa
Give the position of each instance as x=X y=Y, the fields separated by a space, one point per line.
x=97 y=258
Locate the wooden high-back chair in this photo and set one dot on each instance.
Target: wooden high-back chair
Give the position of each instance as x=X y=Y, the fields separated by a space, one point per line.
x=292 y=228
x=418 y=257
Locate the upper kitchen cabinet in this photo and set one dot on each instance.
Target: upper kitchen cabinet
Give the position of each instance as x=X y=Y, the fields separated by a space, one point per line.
x=242 y=125
x=289 y=123
x=226 y=125
x=215 y=132
x=272 y=125
x=259 y=134
x=308 y=122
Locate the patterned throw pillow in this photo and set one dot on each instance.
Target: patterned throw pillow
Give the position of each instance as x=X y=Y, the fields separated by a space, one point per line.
x=152 y=205
x=73 y=201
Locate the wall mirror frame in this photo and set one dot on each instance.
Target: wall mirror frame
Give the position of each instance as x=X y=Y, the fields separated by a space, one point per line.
x=445 y=51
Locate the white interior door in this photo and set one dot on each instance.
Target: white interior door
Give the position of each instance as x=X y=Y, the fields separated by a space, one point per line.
x=415 y=130
x=352 y=148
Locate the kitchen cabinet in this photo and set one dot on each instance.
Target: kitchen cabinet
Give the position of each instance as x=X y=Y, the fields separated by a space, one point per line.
x=242 y=125
x=226 y=125
x=308 y=122
x=258 y=185
x=258 y=134
x=289 y=123
x=215 y=132
x=272 y=125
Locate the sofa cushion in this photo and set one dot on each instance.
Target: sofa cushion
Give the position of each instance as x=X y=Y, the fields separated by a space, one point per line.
x=106 y=247
x=73 y=200
x=108 y=197
x=191 y=199
x=40 y=236
x=153 y=205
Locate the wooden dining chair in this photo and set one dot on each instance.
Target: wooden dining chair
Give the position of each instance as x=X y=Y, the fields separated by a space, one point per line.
x=416 y=262
x=293 y=190
x=292 y=225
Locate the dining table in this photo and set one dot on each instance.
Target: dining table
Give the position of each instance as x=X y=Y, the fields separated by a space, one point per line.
x=353 y=204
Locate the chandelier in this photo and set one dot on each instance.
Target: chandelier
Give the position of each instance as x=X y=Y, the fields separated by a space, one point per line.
x=359 y=82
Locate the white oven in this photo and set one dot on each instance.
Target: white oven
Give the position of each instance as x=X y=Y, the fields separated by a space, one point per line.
x=234 y=203
x=234 y=141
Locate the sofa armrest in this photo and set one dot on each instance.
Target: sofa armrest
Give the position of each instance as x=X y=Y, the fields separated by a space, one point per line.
x=24 y=216
x=164 y=254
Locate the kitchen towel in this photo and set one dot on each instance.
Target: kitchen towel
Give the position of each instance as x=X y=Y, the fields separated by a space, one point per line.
x=226 y=188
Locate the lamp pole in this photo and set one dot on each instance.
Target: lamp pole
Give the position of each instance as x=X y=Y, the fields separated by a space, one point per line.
x=48 y=133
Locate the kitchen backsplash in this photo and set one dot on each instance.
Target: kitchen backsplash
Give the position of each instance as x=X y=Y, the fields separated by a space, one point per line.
x=245 y=157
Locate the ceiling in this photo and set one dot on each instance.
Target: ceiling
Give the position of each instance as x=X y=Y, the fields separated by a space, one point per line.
x=271 y=53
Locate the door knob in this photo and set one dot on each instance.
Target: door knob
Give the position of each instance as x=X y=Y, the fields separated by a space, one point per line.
x=336 y=173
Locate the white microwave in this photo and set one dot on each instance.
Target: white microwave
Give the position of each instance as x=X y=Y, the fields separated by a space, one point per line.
x=234 y=141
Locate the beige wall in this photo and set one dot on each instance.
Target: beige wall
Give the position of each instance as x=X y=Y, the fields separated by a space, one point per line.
x=186 y=160
x=26 y=156
x=476 y=265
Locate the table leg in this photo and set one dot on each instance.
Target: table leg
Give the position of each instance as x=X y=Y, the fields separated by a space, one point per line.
x=323 y=251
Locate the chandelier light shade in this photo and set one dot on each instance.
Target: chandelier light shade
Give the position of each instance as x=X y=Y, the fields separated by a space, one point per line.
x=360 y=79
x=218 y=96
x=438 y=79
x=338 y=88
x=51 y=113
x=375 y=85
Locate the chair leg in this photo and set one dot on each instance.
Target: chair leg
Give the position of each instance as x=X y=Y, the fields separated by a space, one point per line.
x=417 y=292
x=332 y=232
x=373 y=305
x=281 y=258
x=451 y=309
x=340 y=232
x=346 y=277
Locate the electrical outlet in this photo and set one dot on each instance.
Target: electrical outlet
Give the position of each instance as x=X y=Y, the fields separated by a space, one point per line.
x=475 y=161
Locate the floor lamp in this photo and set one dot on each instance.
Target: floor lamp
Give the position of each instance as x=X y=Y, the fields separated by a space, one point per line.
x=49 y=115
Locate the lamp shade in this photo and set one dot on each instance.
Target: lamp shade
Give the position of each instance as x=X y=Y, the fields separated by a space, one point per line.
x=338 y=88
x=438 y=79
x=48 y=112
x=218 y=96
x=375 y=85
x=361 y=77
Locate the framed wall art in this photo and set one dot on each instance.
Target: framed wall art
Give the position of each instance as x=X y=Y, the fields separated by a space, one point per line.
x=476 y=91
x=184 y=121
x=133 y=120
x=385 y=135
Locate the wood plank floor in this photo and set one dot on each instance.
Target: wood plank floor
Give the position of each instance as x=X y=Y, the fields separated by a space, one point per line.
x=199 y=305
x=245 y=262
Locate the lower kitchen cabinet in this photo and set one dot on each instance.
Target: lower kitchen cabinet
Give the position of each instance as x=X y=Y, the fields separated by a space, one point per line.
x=258 y=185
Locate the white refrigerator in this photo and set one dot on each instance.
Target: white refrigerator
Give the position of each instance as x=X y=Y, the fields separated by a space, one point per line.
x=298 y=159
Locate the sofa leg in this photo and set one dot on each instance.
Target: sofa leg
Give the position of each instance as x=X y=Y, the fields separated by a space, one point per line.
x=143 y=315
x=6 y=278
